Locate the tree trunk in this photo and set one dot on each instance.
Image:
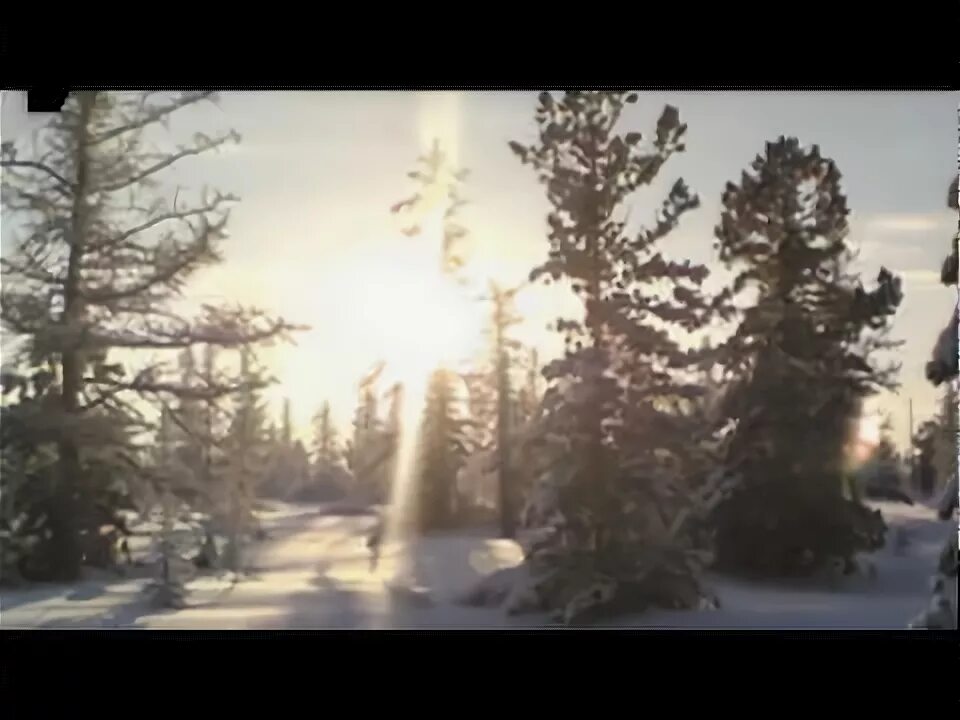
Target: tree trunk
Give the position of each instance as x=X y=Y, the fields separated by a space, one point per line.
x=504 y=461
x=66 y=554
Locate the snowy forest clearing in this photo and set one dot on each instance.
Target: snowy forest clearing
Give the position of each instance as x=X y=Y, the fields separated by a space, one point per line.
x=313 y=571
x=679 y=420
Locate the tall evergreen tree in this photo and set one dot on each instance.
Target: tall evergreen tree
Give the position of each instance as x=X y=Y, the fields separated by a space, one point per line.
x=245 y=460
x=100 y=260
x=530 y=393
x=28 y=470
x=187 y=414
x=615 y=406
x=504 y=317
x=941 y=613
x=326 y=450
x=801 y=363
x=945 y=454
x=442 y=451
x=371 y=447
x=209 y=416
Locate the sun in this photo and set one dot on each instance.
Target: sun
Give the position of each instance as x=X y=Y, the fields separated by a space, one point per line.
x=869 y=430
x=415 y=317
x=868 y=437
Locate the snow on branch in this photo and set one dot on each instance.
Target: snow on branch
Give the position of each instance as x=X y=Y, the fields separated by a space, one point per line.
x=222 y=327
x=147 y=385
x=168 y=269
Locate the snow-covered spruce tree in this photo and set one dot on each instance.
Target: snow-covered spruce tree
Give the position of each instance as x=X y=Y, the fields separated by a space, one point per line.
x=941 y=613
x=800 y=363
x=27 y=472
x=244 y=462
x=100 y=258
x=188 y=446
x=202 y=459
x=32 y=424
x=614 y=535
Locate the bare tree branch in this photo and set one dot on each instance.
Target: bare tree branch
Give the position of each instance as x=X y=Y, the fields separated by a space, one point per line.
x=152 y=115
x=209 y=335
x=145 y=384
x=157 y=167
x=182 y=215
x=37 y=273
x=64 y=187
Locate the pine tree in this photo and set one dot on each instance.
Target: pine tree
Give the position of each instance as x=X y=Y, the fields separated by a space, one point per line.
x=371 y=447
x=245 y=460
x=925 y=442
x=101 y=259
x=188 y=414
x=209 y=417
x=191 y=427
x=27 y=471
x=801 y=366
x=326 y=450
x=945 y=452
x=615 y=407
x=508 y=390
x=442 y=451
x=530 y=393
x=504 y=317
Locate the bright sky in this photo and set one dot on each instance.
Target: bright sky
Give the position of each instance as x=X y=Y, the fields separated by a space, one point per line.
x=313 y=238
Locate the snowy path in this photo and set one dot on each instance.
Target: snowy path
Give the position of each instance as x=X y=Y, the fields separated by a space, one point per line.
x=320 y=577
x=314 y=572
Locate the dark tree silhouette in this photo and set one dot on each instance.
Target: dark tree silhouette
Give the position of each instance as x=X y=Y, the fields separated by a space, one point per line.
x=941 y=613
x=800 y=364
x=618 y=405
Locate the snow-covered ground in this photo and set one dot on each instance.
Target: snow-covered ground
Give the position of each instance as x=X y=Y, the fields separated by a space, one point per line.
x=886 y=599
x=314 y=572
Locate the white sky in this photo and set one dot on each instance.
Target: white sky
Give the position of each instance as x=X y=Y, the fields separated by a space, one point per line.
x=317 y=173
